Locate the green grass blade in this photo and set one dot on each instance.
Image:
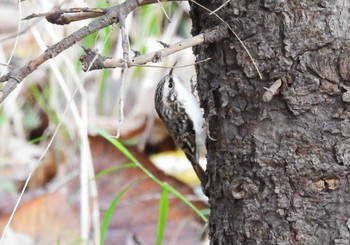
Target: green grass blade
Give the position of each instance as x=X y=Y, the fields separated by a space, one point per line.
x=186 y=201
x=118 y=145
x=163 y=214
x=38 y=139
x=114 y=169
x=126 y=153
x=109 y=213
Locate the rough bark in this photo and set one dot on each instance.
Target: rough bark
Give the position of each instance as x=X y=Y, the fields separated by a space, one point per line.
x=278 y=170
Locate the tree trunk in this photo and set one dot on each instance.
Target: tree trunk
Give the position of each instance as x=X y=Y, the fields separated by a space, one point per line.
x=279 y=168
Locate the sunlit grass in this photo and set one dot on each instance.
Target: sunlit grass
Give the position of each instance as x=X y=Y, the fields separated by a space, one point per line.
x=166 y=186
x=110 y=211
x=163 y=214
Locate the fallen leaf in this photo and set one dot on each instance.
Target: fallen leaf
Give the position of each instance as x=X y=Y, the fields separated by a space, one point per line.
x=46 y=218
x=136 y=214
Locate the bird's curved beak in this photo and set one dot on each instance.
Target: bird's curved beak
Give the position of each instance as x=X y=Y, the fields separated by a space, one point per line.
x=171 y=70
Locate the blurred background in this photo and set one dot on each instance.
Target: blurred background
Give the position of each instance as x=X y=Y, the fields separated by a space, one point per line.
x=50 y=141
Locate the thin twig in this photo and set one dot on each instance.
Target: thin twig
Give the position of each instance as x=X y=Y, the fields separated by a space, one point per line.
x=156 y=56
x=220 y=7
x=126 y=48
x=89 y=174
x=175 y=67
x=66 y=16
x=207 y=36
x=165 y=13
x=17 y=36
x=19 y=33
x=74 y=110
x=27 y=181
x=9 y=66
x=33 y=169
x=112 y=15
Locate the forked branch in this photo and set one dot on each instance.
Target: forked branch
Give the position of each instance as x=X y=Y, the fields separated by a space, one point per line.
x=95 y=61
x=111 y=16
x=107 y=16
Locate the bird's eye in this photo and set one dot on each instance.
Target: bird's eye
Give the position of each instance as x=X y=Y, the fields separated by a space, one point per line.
x=170 y=84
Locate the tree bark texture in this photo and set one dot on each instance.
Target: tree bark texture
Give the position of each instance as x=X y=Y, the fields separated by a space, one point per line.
x=278 y=170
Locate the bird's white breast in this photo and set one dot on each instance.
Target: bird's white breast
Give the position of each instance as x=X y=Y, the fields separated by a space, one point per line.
x=192 y=109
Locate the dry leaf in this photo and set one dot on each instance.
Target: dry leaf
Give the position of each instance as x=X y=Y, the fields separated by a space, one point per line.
x=47 y=218
x=137 y=212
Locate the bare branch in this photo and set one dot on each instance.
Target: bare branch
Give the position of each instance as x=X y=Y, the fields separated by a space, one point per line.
x=62 y=18
x=126 y=49
x=111 y=16
x=66 y=16
x=208 y=36
x=223 y=5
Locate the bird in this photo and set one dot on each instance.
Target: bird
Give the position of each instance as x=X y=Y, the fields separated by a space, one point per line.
x=180 y=112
